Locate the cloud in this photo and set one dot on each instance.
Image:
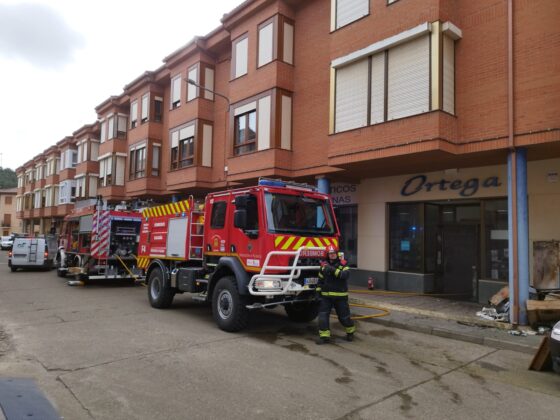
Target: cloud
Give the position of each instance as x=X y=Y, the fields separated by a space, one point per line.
x=38 y=35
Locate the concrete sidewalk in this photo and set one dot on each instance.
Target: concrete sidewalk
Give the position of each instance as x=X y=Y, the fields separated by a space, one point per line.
x=442 y=317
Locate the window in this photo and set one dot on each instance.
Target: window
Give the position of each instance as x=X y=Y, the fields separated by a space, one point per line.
x=496 y=255
x=81 y=187
x=8 y=200
x=137 y=163
x=158 y=109
x=182 y=147
x=176 y=92
x=67 y=192
x=276 y=41
x=145 y=107
x=103 y=135
x=347 y=11
x=133 y=114
x=266 y=44
x=240 y=58
x=245 y=133
x=406 y=237
x=106 y=172
x=110 y=127
x=94 y=150
x=218 y=218
x=388 y=85
x=155 y=159
x=192 y=90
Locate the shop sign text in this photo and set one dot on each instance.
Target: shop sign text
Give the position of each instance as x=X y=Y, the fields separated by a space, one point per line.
x=344 y=194
x=466 y=188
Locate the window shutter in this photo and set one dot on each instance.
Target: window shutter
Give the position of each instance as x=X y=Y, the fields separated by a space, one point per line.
x=175 y=139
x=286 y=135
x=185 y=133
x=241 y=57
x=145 y=107
x=207 y=145
x=119 y=176
x=176 y=89
x=134 y=111
x=209 y=83
x=377 y=88
x=192 y=91
x=266 y=44
x=351 y=96
x=263 y=128
x=350 y=10
x=288 y=54
x=409 y=79
x=448 y=75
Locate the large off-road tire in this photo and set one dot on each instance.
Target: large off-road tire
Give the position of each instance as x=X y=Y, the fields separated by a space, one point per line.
x=160 y=293
x=302 y=311
x=228 y=306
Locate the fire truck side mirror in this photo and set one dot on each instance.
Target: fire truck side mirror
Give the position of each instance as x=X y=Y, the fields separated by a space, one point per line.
x=240 y=218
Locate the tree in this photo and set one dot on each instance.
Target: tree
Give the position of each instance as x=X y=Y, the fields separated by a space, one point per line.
x=8 y=178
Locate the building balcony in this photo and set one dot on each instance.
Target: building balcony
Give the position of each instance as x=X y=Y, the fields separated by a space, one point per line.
x=112 y=193
x=40 y=183
x=66 y=174
x=50 y=211
x=276 y=74
x=64 y=209
x=144 y=187
x=147 y=130
x=52 y=180
x=40 y=212
x=270 y=162
x=19 y=214
x=198 y=108
x=191 y=177
x=113 y=146
x=28 y=214
x=87 y=167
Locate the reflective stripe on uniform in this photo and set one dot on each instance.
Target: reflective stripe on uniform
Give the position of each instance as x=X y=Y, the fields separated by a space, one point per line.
x=351 y=330
x=334 y=293
x=338 y=270
x=324 y=333
x=320 y=275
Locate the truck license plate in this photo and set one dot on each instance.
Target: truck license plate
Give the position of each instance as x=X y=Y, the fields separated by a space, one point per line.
x=310 y=280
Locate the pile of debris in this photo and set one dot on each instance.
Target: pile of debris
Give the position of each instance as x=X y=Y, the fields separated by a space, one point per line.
x=499 y=309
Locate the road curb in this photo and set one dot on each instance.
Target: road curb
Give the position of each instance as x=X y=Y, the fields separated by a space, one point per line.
x=446 y=333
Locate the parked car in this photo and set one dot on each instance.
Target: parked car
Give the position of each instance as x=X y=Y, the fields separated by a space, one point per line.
x=31 y=253
x=555 y=347
x=7 y=242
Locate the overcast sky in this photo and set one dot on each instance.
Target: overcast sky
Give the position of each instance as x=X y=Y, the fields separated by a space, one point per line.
x=59 y=59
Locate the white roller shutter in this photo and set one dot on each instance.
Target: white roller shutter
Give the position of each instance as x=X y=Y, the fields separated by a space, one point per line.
x=350 y=10
x=209 y=83
x=448 y=75
x=409 y=79
x=351 y=96
x=263 y=129
x=207 y=145
x=192 y=90
x=286 y=136
x=241 y=57
x=265 y=44
x=288 y=55
x=377 y=88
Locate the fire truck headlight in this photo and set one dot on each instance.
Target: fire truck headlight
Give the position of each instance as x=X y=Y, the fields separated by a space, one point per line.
x=268 y=284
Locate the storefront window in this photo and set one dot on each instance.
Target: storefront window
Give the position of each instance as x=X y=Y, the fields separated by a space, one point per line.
x=496 y=257
x=406 y=237
x=347 y=219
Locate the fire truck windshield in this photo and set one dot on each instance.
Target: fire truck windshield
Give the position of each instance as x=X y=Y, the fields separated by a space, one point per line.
x=298 y=214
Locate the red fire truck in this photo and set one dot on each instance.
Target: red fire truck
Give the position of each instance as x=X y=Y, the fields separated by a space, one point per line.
x=97 y=243
x=241 y=249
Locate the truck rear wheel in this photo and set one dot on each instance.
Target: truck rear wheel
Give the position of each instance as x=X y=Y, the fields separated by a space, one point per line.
x=302 y=311
x=228 y=306
x=159 y=292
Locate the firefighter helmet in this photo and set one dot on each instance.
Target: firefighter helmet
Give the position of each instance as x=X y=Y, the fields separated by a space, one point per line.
x=331 y=248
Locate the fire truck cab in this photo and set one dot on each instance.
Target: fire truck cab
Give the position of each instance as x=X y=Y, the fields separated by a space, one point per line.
x=242 y=249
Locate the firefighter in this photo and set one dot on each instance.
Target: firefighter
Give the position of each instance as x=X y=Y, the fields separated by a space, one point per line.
x=333 y=291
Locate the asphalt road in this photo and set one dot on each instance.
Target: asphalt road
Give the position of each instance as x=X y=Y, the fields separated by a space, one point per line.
x=101 y=352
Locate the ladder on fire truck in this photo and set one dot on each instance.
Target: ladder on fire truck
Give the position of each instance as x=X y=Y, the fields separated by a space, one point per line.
x=196 y=233
x=33 y=250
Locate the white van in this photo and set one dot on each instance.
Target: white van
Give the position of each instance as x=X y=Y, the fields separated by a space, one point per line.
x=31 y=253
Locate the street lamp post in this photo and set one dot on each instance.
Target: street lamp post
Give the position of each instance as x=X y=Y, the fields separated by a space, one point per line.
x=226 y=117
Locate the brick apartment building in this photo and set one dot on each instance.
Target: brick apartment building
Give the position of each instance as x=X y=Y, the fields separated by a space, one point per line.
x=8 y=211
x=411 y=112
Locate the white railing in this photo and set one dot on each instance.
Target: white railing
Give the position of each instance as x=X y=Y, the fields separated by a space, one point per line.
x=288 y=285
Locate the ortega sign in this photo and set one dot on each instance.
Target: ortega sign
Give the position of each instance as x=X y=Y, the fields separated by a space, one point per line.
x=466 y=188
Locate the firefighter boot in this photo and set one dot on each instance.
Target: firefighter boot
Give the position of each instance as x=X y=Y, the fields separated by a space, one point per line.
x=350 y=337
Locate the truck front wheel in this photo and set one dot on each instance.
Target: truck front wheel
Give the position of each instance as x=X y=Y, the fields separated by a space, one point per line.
x=228 y=306
x=302 y=311
x=159 y=292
